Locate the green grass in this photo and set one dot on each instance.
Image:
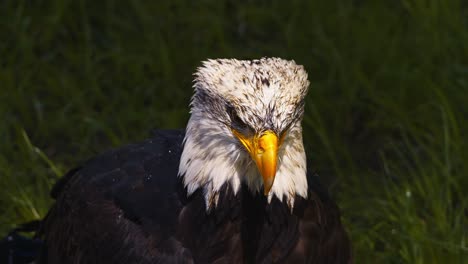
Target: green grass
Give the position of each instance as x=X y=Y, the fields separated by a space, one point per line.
x=385 y=123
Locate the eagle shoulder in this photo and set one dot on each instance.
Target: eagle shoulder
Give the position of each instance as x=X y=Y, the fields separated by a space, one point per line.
x=119 y=207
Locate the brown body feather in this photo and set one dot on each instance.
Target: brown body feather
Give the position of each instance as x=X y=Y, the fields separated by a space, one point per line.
x=129 y=206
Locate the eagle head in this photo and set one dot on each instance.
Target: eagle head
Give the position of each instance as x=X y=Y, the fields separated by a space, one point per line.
x=245 y=127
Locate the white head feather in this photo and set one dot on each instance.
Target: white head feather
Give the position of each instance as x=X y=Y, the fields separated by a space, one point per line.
x=262 y=94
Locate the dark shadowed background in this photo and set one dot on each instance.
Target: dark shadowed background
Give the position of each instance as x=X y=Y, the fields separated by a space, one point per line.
x=385 y=124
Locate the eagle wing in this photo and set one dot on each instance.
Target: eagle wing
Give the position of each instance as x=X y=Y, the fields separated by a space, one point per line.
x=104 y=211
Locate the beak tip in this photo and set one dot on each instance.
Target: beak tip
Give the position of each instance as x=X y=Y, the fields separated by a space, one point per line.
x=268 y=183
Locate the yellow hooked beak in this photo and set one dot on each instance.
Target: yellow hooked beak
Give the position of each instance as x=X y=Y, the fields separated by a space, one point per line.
x=264 y=151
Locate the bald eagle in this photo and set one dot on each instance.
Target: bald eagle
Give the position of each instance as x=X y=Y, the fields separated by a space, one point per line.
x=233 y=187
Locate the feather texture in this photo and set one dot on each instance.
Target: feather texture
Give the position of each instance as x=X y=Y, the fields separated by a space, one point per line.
x=251 y=96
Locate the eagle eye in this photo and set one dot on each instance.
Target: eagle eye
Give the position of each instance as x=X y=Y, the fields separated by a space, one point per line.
x=236 y=122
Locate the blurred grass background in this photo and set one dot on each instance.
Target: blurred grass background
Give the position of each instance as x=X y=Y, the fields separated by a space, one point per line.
x=385 y=124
